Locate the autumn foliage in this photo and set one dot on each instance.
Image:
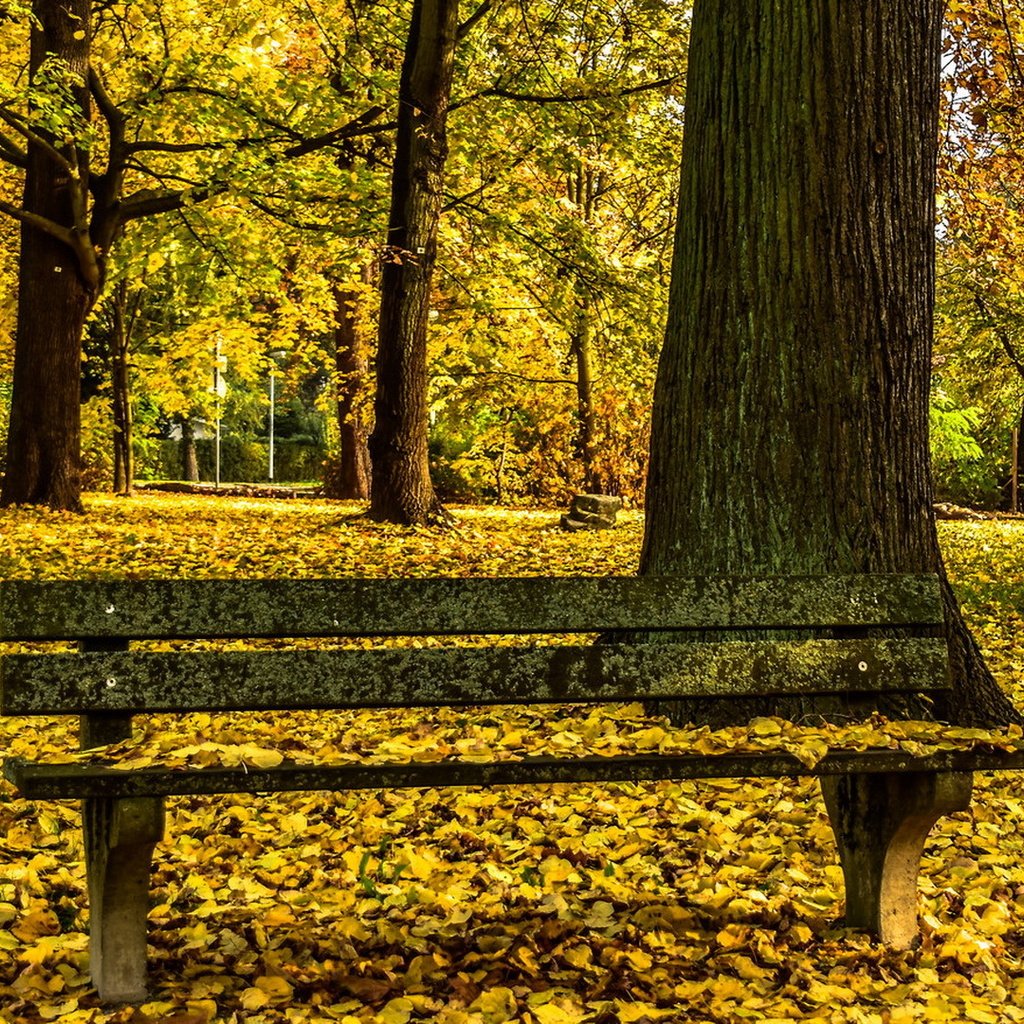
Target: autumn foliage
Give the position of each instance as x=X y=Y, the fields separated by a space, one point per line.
x=707 y=902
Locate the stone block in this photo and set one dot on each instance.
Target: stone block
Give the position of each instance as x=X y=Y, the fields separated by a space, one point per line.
x=574 y=522
x=596 y=504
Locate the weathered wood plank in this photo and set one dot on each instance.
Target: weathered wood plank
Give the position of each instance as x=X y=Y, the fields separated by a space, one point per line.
x=52 y=782
x=402 y=677
x=99 y=730
x=349 y=607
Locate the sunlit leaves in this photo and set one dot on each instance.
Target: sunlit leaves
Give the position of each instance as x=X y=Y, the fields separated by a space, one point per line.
x=980 y=235
x=710 y=902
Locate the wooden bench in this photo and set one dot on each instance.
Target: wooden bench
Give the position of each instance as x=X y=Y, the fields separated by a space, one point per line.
x=882 y=803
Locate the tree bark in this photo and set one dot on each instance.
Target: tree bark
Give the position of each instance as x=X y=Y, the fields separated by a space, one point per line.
x=349 y=477
x=54 y=298
x=581 y=347
x=401 y=489
x=189 y=458
x=790 y=430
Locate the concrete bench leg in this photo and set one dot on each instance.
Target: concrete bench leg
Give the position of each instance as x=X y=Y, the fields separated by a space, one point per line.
x=880 y=823
x=119 y=840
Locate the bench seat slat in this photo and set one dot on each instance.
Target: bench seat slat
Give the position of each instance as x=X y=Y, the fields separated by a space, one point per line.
x=401 y=677
x=66 y=781
x=60 y=609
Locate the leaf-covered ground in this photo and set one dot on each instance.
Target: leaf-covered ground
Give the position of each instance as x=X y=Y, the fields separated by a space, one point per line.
x=716 y=901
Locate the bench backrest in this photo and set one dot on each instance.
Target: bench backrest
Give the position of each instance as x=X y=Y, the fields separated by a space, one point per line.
x=844 y=613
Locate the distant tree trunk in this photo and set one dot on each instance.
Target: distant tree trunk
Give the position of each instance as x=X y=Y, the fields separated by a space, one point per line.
x=999 y=329
x=401 y=489
x=124 y=457
x=790 y=429
x=54 y=298
x=349 y=478
x=189 y=458
x=582 y=350
x=584 y=188
x=1020 y=456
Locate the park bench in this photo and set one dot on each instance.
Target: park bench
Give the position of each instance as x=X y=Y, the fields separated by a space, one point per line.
x=833 y=635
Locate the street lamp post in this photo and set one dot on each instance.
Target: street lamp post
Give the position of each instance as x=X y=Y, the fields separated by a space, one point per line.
x=274 y=357
x=219 y=391
x=270 y=466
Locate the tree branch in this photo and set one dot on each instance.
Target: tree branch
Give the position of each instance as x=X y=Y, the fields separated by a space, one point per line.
x=112 y=114
x=44 y=224
x=527 y=97
x=201 y=90
x=12 y=153
x=20 y=125
x=361 y=125
x=292 y=222
x=489 y=180
x=463 y=374
x=148 y=202
x=470 y=23
x=1000 y=333
x=153 y=146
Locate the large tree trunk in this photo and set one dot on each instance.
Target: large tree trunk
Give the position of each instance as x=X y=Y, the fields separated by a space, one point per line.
x=401 y=489
x=43 y=441
x=349 y=475
x=790 y=429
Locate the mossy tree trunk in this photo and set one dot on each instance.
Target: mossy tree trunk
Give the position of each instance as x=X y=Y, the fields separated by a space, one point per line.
x=401 y=490
x=790 y=429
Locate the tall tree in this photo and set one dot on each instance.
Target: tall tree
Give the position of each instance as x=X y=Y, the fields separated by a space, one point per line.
x=790 y=428
x=59 y=274
x=188 y=126
x=401 y=489
x=981 y=245
x=558 y=239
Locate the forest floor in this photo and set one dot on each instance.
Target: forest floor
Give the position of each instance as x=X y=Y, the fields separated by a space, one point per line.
x=704 y=902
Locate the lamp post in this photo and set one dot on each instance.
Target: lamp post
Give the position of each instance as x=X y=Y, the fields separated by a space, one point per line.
x=274 y=356
x=220 y=388
x=270 y=459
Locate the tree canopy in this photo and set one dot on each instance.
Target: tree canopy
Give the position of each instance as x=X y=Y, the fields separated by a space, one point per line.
x=238 y=182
